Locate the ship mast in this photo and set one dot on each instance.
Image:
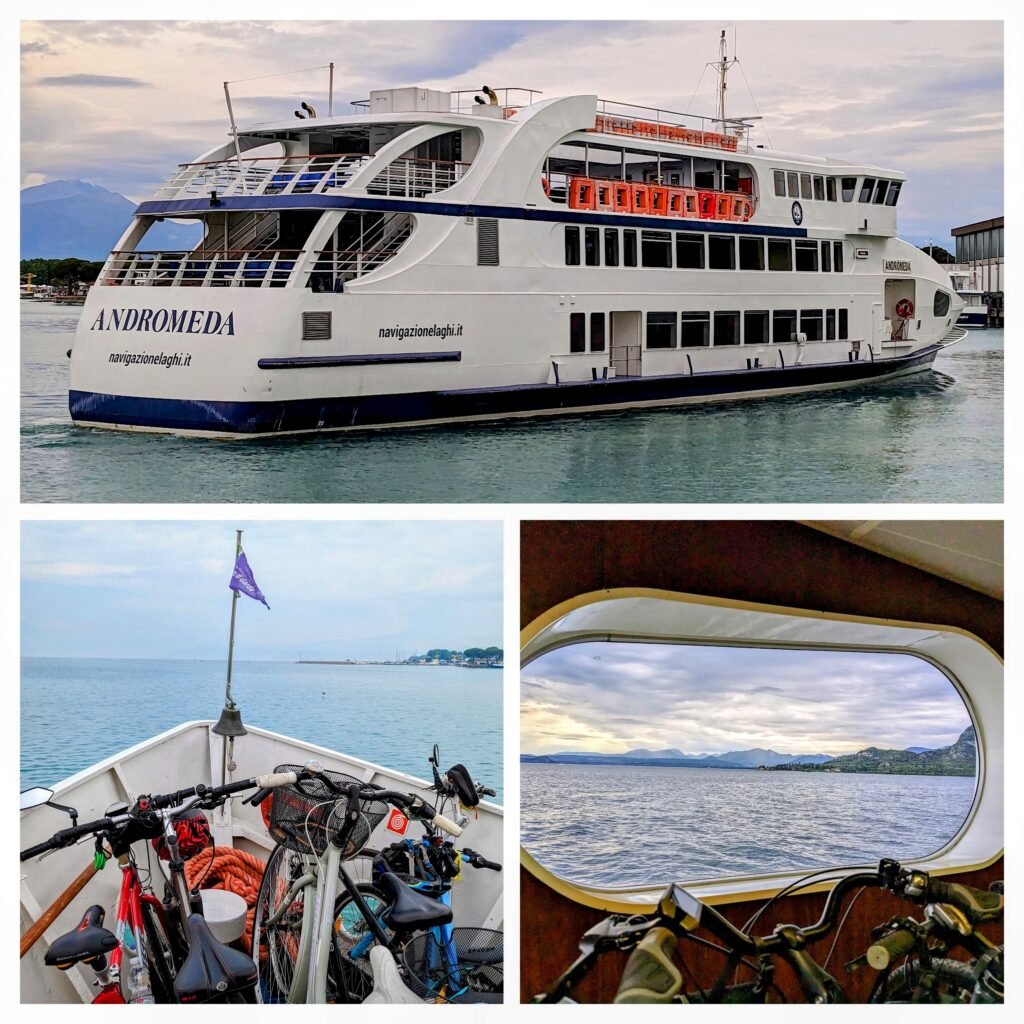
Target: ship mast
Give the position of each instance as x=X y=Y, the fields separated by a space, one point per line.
x=723 y=65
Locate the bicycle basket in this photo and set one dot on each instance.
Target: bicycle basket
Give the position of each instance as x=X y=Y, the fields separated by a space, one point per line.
x=473 y=960
x=305 y=816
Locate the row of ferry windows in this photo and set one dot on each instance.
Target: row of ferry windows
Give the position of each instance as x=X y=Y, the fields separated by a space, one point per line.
x=698 y=252
x=703 y=329
x=877 y=191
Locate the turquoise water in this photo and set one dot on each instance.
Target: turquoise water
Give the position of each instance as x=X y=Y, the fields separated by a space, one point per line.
x=936 y=437
x=75 y=712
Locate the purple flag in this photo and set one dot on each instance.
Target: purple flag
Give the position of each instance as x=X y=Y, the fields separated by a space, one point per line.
x=244 y=582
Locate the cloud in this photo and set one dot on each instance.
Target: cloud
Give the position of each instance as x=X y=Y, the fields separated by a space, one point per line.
x=70 y=571
x=96 y=81
x=614 y=696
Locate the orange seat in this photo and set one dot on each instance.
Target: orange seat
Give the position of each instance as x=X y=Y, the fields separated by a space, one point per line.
x=581 y=194
x=723 y=206
x=605 y=196
x=622 y=196
x=742 y=208
x=707 y=205
x=641 y=196
x=659 y=200
x=677 y=202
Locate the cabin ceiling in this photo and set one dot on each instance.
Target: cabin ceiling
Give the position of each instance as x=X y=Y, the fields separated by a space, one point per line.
x=968 y=552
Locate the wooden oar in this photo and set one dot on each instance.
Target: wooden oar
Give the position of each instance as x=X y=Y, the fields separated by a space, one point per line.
x=28 y=940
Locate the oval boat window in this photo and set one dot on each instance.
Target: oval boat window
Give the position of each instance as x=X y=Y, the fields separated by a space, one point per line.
x=646 y=762
x=941 y=307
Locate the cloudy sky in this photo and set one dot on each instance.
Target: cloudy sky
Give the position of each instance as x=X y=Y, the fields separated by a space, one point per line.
x=120 y=103
x=336 y=590
x=614 y=697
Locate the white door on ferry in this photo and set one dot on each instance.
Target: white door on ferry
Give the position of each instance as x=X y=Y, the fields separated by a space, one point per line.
x=625 y=347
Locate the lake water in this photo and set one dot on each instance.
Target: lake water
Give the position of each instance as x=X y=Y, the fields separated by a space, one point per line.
x=74 y=712
x=936 y=437
x=618 y=825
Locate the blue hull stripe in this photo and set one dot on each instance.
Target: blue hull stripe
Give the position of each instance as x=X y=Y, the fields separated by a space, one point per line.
x=312 y=414
x=170 y=207
x=370 y=359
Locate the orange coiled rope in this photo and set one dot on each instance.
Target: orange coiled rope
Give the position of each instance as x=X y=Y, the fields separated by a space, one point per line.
x=233 y=870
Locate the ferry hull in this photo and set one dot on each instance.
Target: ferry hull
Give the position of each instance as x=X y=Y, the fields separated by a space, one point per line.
x=973 y=319
x=361 y=412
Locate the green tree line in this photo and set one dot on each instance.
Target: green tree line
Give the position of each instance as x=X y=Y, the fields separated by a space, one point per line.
x=64 y=273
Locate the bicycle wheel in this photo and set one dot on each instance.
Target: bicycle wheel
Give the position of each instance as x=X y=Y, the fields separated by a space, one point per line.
x=275 y=946
x=158 y=953
x=350 y=977
x=945 y=981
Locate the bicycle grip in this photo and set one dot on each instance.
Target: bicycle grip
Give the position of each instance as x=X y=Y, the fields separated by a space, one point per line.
x=650 y=975
x=882 y=953
x=977 y=904
x=446 y=825
x=34 y=851
x=275 y=779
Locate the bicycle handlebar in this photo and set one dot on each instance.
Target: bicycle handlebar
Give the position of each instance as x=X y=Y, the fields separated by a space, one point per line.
x=478 y=861
x=67 y=836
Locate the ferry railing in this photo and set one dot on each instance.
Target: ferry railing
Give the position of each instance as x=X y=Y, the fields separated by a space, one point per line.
x=375 y=249
x=264 y=175
x=616 y=118
x=412 y=177
x=224 y=268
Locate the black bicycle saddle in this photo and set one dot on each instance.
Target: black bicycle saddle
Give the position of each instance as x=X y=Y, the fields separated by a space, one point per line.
x=87 y=942
x=211 y=969
x=409 y=908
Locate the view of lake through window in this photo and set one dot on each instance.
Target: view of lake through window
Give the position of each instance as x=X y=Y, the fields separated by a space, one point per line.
x=643 y=763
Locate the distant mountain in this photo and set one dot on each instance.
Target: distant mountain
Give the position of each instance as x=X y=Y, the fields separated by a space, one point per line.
x=959 y=758
x=671 y=752
x=73 y=218
x=672 y=757
x=917 y=750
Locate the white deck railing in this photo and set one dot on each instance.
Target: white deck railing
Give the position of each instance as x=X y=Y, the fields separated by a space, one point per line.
x=307 y=175
x=229 y=268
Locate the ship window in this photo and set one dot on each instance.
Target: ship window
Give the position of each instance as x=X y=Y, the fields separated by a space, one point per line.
x=793 y=184
x=727 y=328
x=656 y=248
x=805 y=186
x=611 y=247
x=837 y=257
x=783 y=325
x=830 y=188
x=661 y=330
x=721 y=252
x=597 y=332
x=629 y=248
x=849 y=189
x=730 y=749
x=844 y=323
x=880 y=189
x=780 y=182
x=572 y=247
x=810 y=324
x=806 y=254
x=941 y=305
x=866 y=189
x=780 y=254
x=826 y=256
x=577 y=332
x=830 y=325
x=894 y=193
x=755 y=327
x=689 y=251
x=695 y=330
x=819 y=187
x=751 y=254
x=591 y=246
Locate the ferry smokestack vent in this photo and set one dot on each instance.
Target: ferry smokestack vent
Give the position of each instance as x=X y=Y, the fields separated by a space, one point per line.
x=300 y=115
x=491 y=95
x=308 y=109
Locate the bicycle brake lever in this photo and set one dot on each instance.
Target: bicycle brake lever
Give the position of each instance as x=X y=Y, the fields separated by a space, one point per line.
x=616 y=932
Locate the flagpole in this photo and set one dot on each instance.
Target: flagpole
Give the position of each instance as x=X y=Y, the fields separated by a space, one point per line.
x=228 y=702
x=229 y=725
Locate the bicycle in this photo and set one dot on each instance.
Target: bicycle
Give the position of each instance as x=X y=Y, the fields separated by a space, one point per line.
x=952 y=914
x=172 y=954
x=651 y=974
x=444 y=963
x=294 y=920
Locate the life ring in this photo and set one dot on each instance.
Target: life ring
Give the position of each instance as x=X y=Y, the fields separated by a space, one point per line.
x=905 y=309
x=546 y=186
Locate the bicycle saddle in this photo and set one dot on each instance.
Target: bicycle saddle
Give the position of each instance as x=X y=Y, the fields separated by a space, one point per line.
x=87 y=942
x=211 y=969
x=411 y=909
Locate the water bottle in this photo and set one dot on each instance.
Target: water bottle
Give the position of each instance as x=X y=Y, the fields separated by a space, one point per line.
x=138 y=981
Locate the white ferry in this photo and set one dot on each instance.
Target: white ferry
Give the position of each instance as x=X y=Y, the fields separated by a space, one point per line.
x=975 y=309
x=439 y=256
